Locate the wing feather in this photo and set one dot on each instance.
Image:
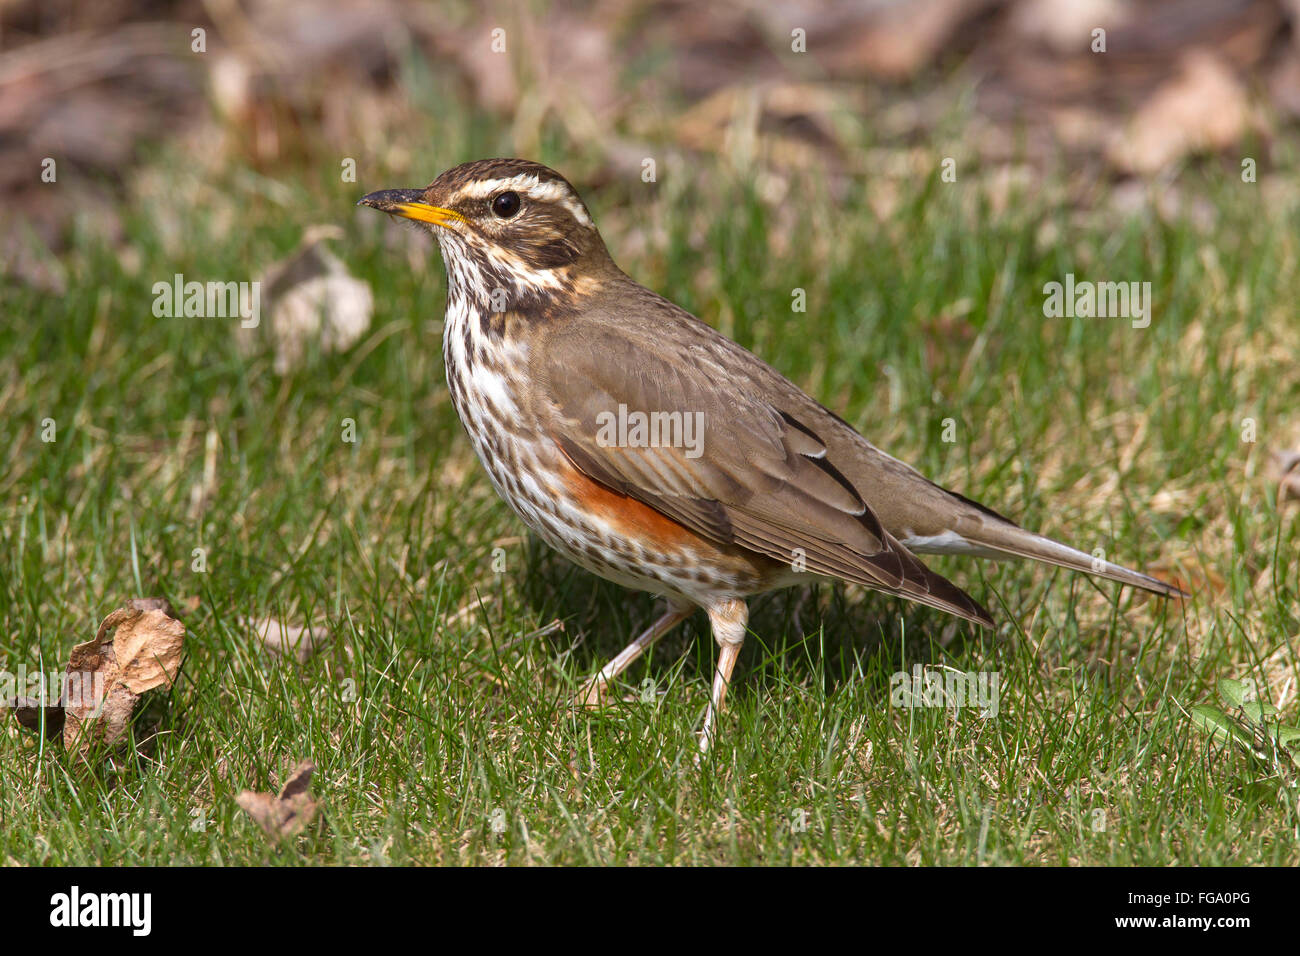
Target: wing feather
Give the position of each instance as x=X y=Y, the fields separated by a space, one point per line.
x=755 y=475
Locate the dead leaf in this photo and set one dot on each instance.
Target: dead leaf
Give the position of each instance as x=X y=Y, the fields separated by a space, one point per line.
x=289 y=640
x=1203 y=109
x=1284 y=467
x=311 y=298
x=107 y=676
x=1065 y=26
x=286 y=814
x=891 y=41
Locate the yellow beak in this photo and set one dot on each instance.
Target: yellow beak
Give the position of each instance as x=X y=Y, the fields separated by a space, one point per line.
x=410 y=204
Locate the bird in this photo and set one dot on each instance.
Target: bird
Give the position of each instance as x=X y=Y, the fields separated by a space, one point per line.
x=652 y=450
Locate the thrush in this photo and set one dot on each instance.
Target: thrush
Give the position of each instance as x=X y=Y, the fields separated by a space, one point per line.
x=652 y=450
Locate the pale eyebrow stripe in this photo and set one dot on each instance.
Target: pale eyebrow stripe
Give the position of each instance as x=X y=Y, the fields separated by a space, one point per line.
x=530 y=185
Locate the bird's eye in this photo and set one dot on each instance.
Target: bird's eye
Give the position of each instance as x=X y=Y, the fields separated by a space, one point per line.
x=505 y=205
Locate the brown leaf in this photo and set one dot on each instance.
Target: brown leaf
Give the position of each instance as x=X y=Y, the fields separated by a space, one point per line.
x=289 y=640
x=1285 y=469
x=311 y=298
x=106 y=676
x=286 y=814
x=1065 y=26
x=1204 y=108
x=898 y=40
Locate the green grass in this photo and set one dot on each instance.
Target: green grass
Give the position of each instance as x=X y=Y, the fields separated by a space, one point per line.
x=425 y=719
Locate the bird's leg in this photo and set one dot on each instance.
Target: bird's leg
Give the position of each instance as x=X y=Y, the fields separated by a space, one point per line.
x=593 y=692
x=728 y=620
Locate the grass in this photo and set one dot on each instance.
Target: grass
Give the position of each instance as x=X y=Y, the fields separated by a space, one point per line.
x=434 y=720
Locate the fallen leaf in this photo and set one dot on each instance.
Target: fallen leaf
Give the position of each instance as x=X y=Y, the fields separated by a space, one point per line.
x=1202 y=109
x=107 y=676
x=286 y=814
x=891 y=41
x=1284 y=466
x=289 y=640
x=312 y=298
x=1065 y=26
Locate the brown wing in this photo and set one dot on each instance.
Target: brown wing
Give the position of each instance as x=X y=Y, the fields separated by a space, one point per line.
x=754 y=475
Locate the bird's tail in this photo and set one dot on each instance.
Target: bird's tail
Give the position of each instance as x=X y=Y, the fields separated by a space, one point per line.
x=986 y=534
x=1011 y=541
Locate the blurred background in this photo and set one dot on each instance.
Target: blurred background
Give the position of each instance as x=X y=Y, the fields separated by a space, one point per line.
x=1015 y=87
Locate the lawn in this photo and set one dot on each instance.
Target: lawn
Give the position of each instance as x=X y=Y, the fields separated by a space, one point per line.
x=436 y=705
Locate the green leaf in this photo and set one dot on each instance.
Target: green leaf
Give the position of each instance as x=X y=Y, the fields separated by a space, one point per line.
x=1217 y=723
x=1288 y=736
x=1233 y=692
x=1257 y=710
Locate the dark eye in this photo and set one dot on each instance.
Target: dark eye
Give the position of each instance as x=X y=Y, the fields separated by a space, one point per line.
x=505 y=205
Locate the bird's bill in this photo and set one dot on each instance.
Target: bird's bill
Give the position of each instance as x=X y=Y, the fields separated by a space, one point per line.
x=410 y=204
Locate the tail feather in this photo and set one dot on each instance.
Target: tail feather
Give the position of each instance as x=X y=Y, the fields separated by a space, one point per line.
x=925 y=586
x=1002 y=539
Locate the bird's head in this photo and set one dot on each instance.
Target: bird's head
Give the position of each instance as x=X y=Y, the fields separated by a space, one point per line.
x=506 y=227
